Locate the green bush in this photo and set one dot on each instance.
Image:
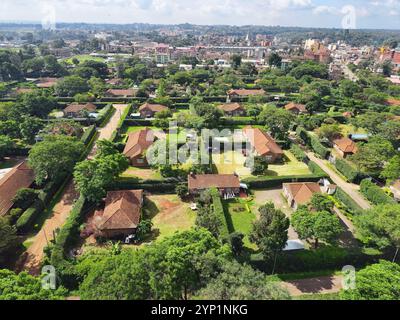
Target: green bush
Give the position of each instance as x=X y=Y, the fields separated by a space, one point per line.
x=318 y=148
x=316 y=170
x=108 y=112
x=298 y=152
x=374 y=194
x=27 y=219
x=88 y=134
x=274 y=182
x=332 y=258
x=347 y=201
x=68 y=234
x=220 y=213
x=351 y=173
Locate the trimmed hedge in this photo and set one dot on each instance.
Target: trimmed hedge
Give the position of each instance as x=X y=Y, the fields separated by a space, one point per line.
x=274 y=182
x=331 y=258
x=162 y=186
x=68 y=233
x=88 y=134
x=137 y=122
x=26 y=220
x=316 y=170
x=351 y=173
x=298 y=152
x=374 y=194
x=109 y=111
x=318 y=148
x=347 y=201
x=221 y=214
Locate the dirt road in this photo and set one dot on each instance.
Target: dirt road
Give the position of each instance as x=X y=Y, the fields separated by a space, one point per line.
x=321 y=285
x=34 y=254
x=349 y=188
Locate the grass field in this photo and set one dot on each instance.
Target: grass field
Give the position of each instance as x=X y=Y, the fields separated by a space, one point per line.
x=242 y=218
x=350 y=129
x=168 y=214
x=142 y=173
x=291 y=167
x=84 y=57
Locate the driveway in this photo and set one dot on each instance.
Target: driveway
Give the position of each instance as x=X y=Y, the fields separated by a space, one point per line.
x=349 y=188
x=34 y=255
x=275 y=196
x=319 y=285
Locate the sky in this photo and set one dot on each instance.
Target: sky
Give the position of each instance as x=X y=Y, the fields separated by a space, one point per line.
x=377 y=14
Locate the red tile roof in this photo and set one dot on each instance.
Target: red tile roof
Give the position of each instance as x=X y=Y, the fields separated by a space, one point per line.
x=138 y=142
x=121 y=92
x=18 y=178
x=346 y=145
x=75 y=107
x=207 y=181
x=152 y=107
x=302 y=192
x=246 y=92
x=122 y=210
x=296 y=106
x=229 y=107
x=262 y=142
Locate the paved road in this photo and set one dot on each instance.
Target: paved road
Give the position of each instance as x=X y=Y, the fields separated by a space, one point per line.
x=321 y=285
x=34 y=255
x=349 y=74
x=349 y=188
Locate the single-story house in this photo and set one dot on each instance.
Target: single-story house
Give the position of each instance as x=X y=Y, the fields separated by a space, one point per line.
x=232 y=109
x=121 y=93
x=263 y=144
x=121 y=215
x=395 y=188
x=296 y=108
x=227 y=184
x=300 y=193
x=115 y=81
x=234 y=93
x=148 y=110
x=76 y=110
x=45 y=83
x=345 y=146
x=21 y=176
x=137 y=145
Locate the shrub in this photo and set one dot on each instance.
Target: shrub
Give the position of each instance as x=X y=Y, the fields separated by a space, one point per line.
x=220 y=213
x=316 y=170
x=374 y=194
x=298 y=152
x=106 y=115
x=88 y=134
x=27 y=219
x=348 y=170
x=347 y=201
x=274 y=182
x=318 y=148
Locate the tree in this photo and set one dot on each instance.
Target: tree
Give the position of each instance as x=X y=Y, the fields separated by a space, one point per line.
x=37 y=103
x=23 y=286
x=321 y=225
x=275 y=60
x=144 y=228
x=182 y=190
x=236 y=241
x=29 y=128
x=8 y=238
x=70 y=86
x=54 y=157
x=236 y=61
x=93 y=177
x=379 y=281
x=322 y=202
x=241 y=282
x=260 y=166
x=277 y=121
x=288 y=84
x=169 y=269
x=270 y=232
x=391 y=172
x=207 y=219
x=6 y=145
x=330 y=131
x=24 y=198
x=380 y=226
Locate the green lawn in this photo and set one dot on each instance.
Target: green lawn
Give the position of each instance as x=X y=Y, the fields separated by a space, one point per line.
x=142 y=173
x=168 y=214
x=290 y=167
x=84 y=57
x=242 y=218
x=350 y=129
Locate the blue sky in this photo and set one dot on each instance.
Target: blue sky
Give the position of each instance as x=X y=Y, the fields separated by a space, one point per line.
x=311 y=13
